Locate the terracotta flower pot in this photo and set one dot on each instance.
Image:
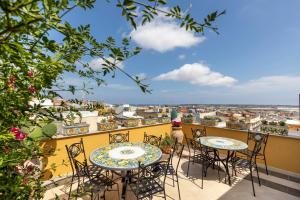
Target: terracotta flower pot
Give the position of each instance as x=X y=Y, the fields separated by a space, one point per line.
x=177 y=134
x=167 y=150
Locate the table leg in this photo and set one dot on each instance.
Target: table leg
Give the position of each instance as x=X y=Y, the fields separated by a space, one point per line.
x=124 y=183
x=126 y=178
x=226 y=164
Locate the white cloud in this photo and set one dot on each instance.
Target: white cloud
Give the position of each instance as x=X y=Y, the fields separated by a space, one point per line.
x=280 y=83
x=97 y=63
x=181 y=56
x=197 y=74
x=163 y=34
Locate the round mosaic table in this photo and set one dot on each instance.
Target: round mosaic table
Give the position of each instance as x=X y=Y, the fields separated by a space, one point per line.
x=223 y=143
x=125 y=157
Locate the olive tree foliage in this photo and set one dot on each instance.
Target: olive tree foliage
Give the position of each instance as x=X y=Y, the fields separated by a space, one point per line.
x=32 y=64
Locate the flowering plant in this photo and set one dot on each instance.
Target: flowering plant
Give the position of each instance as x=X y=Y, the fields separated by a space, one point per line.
x=32 y=67
x=176 y=124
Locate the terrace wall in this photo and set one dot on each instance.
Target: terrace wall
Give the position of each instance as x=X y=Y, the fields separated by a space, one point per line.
x=282 y=152
x=57 y=156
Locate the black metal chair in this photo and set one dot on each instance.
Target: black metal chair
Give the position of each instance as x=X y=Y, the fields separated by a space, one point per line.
x=171 y=171
x=89 y=177
x=201 y=156
x=250 y=161
x=152 y=139
x=148 y=182
x=261 y=154
x=198 y=132
x=118 y=137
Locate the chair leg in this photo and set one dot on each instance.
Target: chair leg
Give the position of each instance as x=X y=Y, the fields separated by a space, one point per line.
x=78 y=187
x=71 y=187
x=178 y=187
x=257 y=175
x=188 y=169
x=252 y=180
x=173 y=180
x=165 y=196
x=219 y=172
x=266 y=165
x=202 y=175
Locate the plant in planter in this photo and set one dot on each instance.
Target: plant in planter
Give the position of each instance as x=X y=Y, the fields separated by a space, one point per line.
x=107 y=124
x=131 y=122
x=164 y=119
x=149 y=121
x=167 y=144
x=188 y=119
x=72 y=128
x=210 y=121
x=279 y=128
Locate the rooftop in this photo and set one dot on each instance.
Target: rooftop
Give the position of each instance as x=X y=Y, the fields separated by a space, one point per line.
x=275 y=186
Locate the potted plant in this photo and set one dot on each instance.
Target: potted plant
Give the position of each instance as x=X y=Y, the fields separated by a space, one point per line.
x=72 y=128
x=107 y=124
x=234 y=123
x=188 y=119
x=131 y=122
x=210 y=121
x=164 y=119
x=279 y=128
x=149 y=121
x=166 y=144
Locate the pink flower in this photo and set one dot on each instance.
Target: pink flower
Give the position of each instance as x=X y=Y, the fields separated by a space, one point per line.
x=11 y=82
x=14 y=130
x=20 y=136
x=30 y=73
x=32 y=89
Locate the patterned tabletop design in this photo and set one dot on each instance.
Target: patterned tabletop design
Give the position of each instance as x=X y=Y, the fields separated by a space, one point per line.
x=108 y=157
x=223 y=143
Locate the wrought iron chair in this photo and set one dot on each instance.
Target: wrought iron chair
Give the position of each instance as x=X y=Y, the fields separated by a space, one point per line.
x=171 y=170
x=261 y=154
x=148 y=182
x=201 y=156
x=118 y=137
x=199 y=132
x=96 y=181
x=250 y=160
x=152 y=139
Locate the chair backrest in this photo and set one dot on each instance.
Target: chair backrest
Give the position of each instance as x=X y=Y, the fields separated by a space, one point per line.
x=193 y=144
x=198 y=132
x=74 y=151
x=259 y=140
x=118 y=137
x=154 y=171
x=152 y=139
x=265 y=137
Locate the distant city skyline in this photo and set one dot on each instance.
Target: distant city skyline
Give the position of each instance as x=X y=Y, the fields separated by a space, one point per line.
x=254 y=60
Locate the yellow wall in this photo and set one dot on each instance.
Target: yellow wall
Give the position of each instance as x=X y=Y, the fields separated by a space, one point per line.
x=57 y=162
x=281 y=152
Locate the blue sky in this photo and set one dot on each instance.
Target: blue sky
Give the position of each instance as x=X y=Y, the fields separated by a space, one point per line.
x=254 y=60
